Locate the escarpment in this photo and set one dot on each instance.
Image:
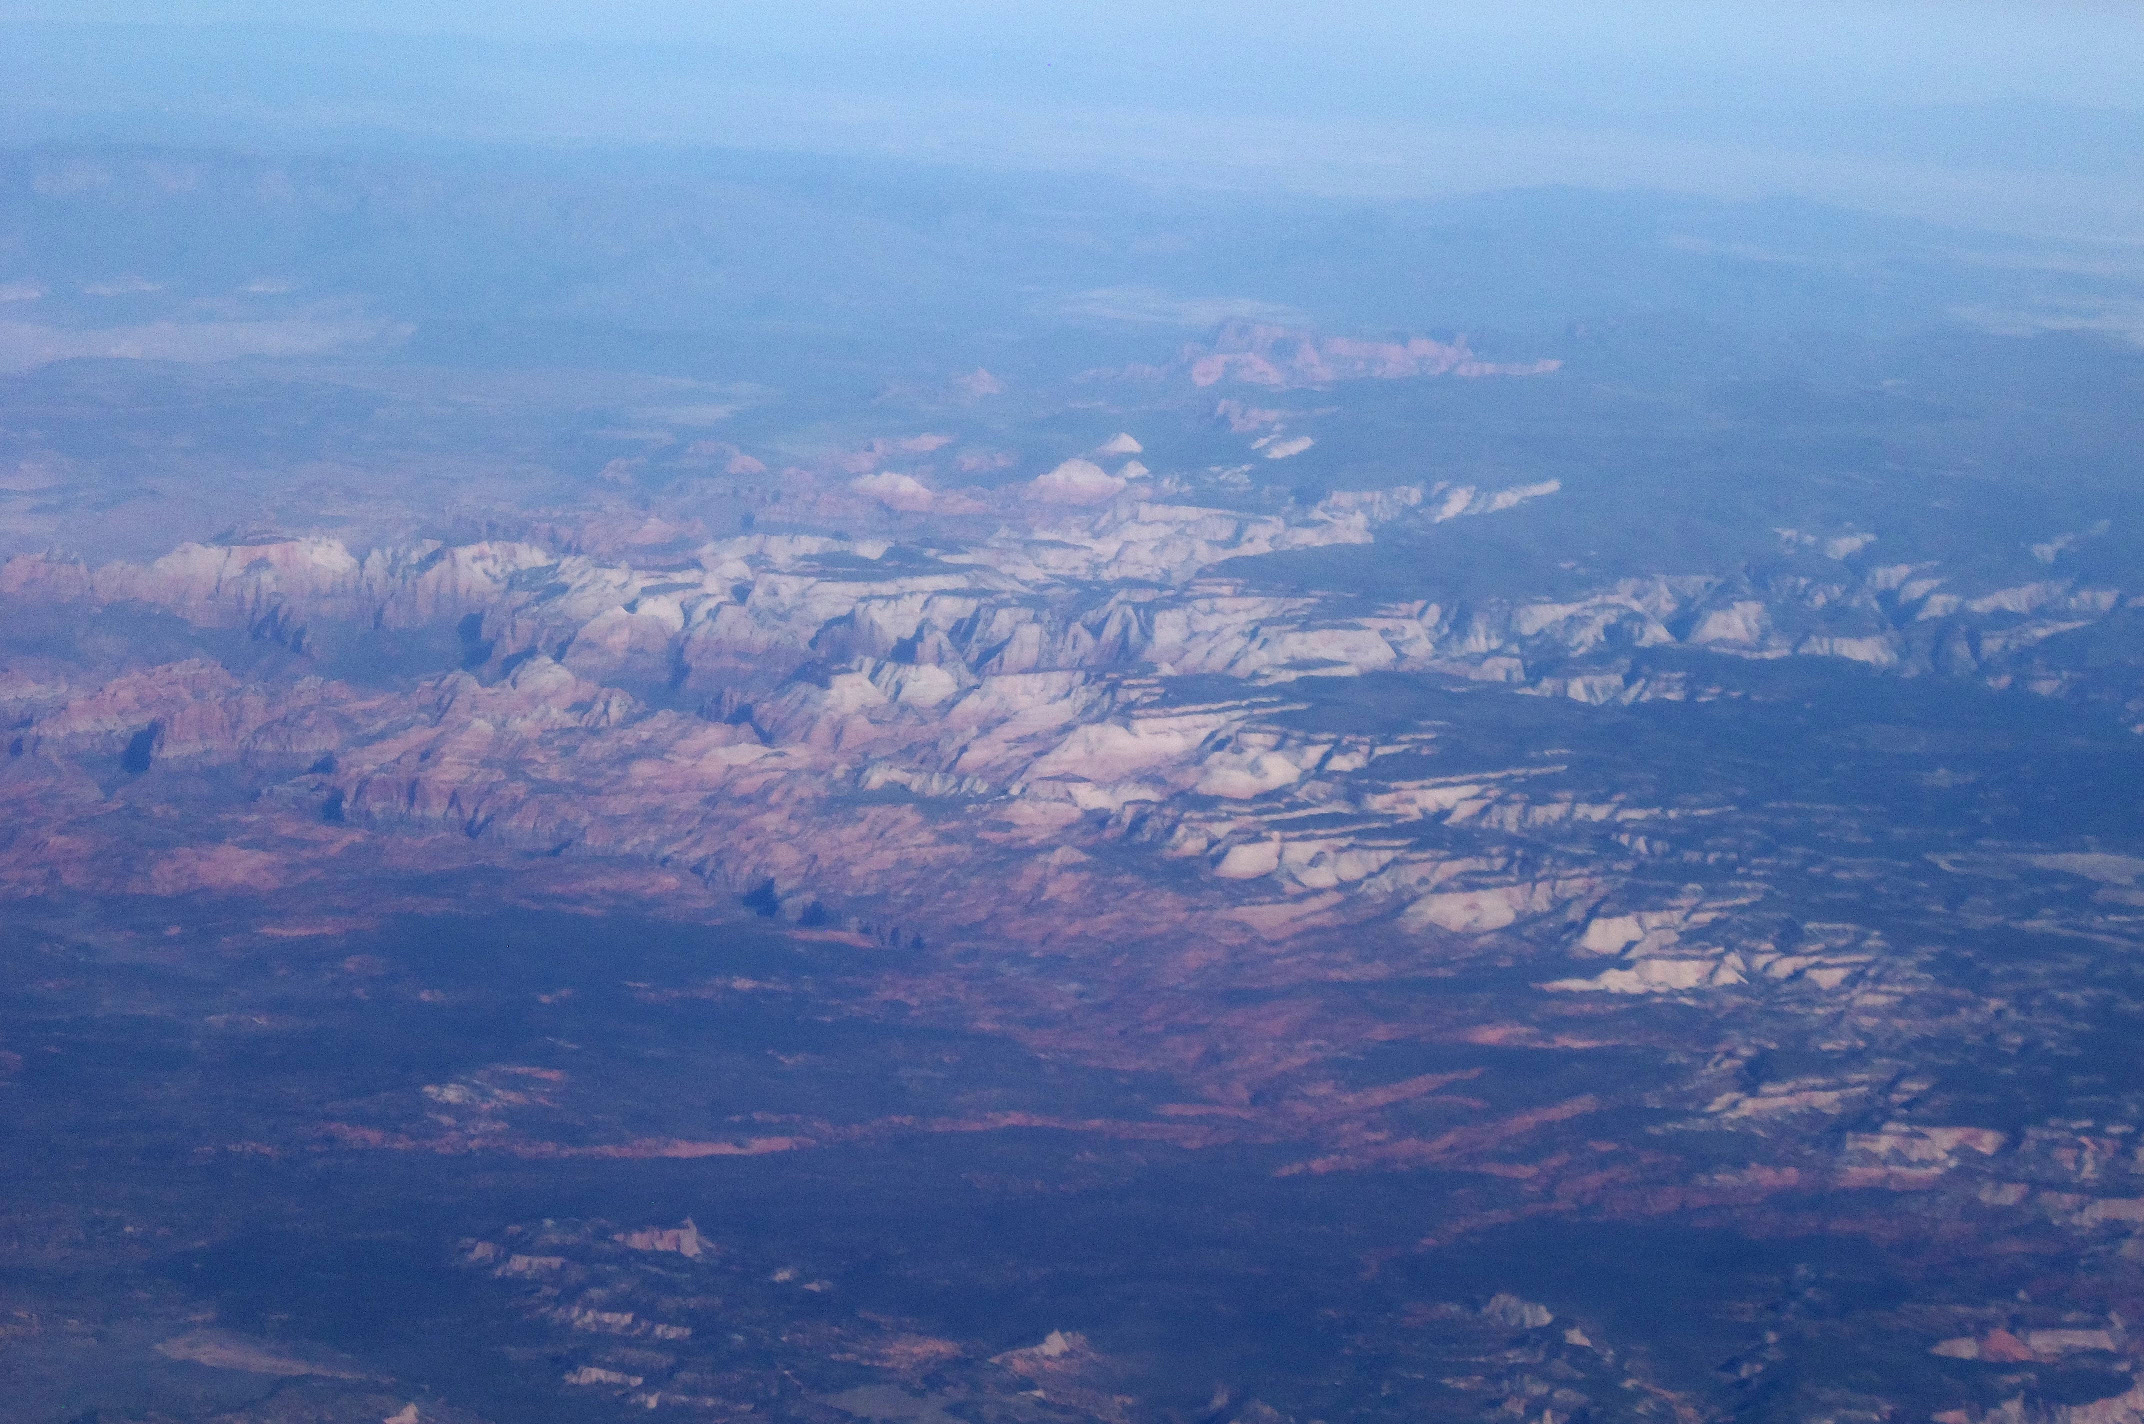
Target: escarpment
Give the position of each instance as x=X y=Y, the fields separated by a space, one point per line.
x=1083 y=728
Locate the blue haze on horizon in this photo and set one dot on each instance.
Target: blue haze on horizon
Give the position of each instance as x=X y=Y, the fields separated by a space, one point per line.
x=2025 y=119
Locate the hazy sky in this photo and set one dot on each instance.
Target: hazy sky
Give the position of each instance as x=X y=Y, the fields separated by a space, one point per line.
x=2021 y=116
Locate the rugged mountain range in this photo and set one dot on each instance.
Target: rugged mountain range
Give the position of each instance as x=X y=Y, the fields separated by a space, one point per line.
x=1164 y=801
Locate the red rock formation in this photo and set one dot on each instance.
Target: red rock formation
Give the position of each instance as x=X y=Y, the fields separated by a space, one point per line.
x=1282 y=357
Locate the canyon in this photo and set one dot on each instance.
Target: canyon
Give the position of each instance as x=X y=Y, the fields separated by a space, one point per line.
x=587 y=840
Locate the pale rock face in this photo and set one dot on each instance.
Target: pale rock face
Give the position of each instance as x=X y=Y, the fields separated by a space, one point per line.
x=1452 y=503
x=1642 y=932
x=1899 y=577
x=1657 y=976
x=1238 y=776
x=1742 y=624
x=1874 y=651
x=2027 y=598
x=1077 y=482
x=1003 y=713
x=850 y=692
x=1935 y=605
x=207 y=572
x=1327 y=864
x=612 y=641
x=1378 y=506
x=1281 y=653
x=1158 y=543
x=1516 y=1314
x=685 y=1240
x=915 y=686
x=1789 y=1098
x=2050 y=1344
x=2106 y=868
x=1916 y=1144
x=1479 y=911
x=1611 y=934
x=1249 y=862
x=1455 y=502
x=895 y=491
x=1511 y=498
x=2123 y=1209
x=1113 y=751
x=1631 y=610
